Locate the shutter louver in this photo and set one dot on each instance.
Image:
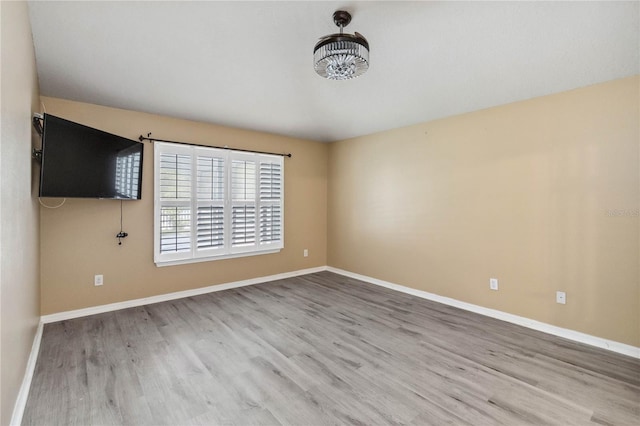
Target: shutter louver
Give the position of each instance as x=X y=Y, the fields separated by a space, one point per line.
x=210 y=178
x=243 y=226
x=270 y=181
x=175 y=177
x=210 y=227
x=175 y=229
x=270 y=228
x=243 y=180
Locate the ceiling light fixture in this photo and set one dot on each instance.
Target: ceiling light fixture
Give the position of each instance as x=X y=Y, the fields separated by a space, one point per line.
x=341 y=56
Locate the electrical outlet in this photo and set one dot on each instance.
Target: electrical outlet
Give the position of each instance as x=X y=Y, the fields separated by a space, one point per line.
x=561 y=297
x=305 y=253
x=98 y=280
x=493 y=283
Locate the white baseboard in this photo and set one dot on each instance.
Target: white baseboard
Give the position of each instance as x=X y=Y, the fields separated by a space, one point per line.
x=23 y=393
x=566 y=333
x=77 y=313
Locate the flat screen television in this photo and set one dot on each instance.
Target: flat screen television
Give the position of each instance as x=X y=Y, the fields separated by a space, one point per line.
x=82 y=162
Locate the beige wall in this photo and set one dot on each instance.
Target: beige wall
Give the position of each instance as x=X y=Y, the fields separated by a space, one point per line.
x=519 y=192
x=19 y=225
x=78 y=239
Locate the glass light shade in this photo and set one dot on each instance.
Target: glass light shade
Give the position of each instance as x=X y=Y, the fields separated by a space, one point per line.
x=341 y=59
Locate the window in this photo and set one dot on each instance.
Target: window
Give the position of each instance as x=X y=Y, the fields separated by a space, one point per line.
x=215 y=203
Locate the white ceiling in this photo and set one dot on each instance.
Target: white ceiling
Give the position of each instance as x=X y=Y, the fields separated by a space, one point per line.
x=249 y=64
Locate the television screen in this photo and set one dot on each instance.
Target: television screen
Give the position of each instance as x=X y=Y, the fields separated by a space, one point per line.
x=79 y=161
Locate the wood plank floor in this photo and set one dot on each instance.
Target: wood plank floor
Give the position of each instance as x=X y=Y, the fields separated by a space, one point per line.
x=321 y=349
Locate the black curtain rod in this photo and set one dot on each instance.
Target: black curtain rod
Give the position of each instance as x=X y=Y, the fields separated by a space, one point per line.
x=147 y=138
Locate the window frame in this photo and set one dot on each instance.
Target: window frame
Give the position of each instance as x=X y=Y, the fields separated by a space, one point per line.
x=227 y=251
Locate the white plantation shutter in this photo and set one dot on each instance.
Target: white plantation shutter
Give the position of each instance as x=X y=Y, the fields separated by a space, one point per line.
x=174 y=185
x=243 y=202
x=213 y=203
x=210 y=201
x=270 y=220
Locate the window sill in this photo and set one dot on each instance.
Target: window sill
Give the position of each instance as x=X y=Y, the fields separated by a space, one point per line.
x=160 y=264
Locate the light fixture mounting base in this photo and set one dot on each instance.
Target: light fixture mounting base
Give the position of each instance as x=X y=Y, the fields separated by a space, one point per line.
x=341 y=18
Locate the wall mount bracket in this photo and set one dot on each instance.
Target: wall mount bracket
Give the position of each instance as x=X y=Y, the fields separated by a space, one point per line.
x=38 y=123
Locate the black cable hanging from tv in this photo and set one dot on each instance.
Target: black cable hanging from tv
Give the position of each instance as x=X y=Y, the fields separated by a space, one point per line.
x=120 y=235
x=150 y=139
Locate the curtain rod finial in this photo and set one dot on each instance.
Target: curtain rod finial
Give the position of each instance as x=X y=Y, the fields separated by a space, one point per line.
x=143 y=138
